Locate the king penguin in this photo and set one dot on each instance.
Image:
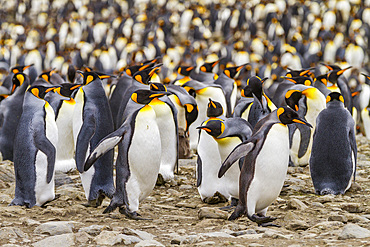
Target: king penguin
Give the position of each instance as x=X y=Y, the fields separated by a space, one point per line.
x=334 y=150
x=64 y=119
x=265 y=165
x=92 y=120
x=139 y=153
x=10 y=112
x=228 y=134
x=34 y=150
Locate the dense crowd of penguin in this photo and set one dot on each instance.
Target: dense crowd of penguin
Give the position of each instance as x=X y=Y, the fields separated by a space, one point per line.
x=250 y=87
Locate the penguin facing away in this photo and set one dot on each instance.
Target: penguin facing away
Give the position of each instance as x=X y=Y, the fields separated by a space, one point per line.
x=34 y=150
x=265 y=165
x=10 y=112
x=92 y=121
x=334 y=150
x=139 y=153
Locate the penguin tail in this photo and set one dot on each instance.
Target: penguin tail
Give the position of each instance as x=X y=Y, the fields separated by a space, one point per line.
x=239 y=151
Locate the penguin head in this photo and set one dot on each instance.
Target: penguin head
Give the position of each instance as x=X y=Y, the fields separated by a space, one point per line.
x=368 y=78
x=90 y=76
x=18 y=69
x=213 y=127
x=323 y=79
x=185 y=70
x=231 y=72
x=144 y=96
x=135 y=68
x=334 y=74
x=214 y=109
x=208 y=67
x=17 y=80
x=334 y=96
x=67 y=89
x=287 y=116
x=144 y=75
x=47 y=75
x=246 y=92
x=40 y=91
x=255 y=85
x=292 y=98
x=191 y=114
x=304 y=80
x=331 y=66
x=155 y=86
x=296 y=73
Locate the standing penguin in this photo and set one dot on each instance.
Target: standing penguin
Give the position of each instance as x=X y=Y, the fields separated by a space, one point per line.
x=139 y=153
x=228 y=134
x=92 y=120
x=64 y=119
x=265 y=165
x=10 y=112
x=34 y=150
x=334 y=150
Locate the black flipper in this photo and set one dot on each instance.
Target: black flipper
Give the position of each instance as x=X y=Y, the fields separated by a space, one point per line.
x=239 y=151
x=305 y=139
x=84 y=136
x=199 y=171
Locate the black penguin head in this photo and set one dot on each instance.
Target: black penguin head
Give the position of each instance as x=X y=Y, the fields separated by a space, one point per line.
x=287 y=116
x=208 y=67
x=296 y=73
x=135 y=68
x=292 y=98
x=231 y=72
x=153 y=61
x=40 y=91
x=214 y=127
x=88 y=77
x=247 y=92
x=323 y=79
x=304 y=80
x=144 y=96
x=47 y=75
x=155 y=86
x=18 y=69
x=185 y=70
x=67 y=89
x=334 y=74
x=214 y=109
x=144 y=75
x=191 y=114
x=331 y=66
x=17 y=80
x=255 y=85
x=334 y=96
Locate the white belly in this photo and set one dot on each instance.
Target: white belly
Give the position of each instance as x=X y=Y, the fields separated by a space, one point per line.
x=271 y=167
x=229 y=183
x=366 y=120
x=144 y=157
x=78 y=114
x=66 y=147
x=168 y=138
x=211 y=162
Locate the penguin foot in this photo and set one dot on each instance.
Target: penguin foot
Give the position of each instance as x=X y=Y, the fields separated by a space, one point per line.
x=160 y=180
x=109 y=209
x=262 y=220
x=132 y=215
x=227 y=208
x=234 y=203
x=96 y=202
x=216 y=198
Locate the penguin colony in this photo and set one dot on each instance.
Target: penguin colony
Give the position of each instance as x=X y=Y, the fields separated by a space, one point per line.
x=250 y=87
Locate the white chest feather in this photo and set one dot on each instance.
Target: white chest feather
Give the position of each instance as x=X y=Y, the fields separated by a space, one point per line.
x=78 y=114
x=271 y=167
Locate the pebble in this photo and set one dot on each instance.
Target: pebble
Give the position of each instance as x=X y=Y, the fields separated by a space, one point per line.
x=276 y=235
x=239 y=233
x=354 y=231
x=94 y=230
x=296 y=204
x=54 y=228
x=185 y=187
x=107 y=238
x=337 y=217
x=145 y=243
x=212 y=213
x=62 y=240
x=141 y=234
x=295 y=225
x=217 y=235
x=326 y=225
x=187 y=239
x=82 y=237
x=11 y=233
x=206 y=243
x=352 y=207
